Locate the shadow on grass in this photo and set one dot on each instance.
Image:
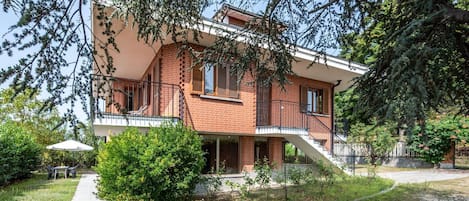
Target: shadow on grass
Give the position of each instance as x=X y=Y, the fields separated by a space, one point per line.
x=38 y=187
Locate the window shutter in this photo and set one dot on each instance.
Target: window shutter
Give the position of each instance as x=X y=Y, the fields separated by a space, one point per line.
x=303 y=98
x=325 y=101
x=221 y=81
x=197 y=80
x=234 y=87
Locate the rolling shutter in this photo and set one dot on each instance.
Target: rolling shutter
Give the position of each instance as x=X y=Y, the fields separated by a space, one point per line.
x=197 y=80
x=303 y=99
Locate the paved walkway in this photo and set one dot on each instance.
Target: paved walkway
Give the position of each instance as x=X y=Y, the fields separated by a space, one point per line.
x=421 y=176
x=86 y=189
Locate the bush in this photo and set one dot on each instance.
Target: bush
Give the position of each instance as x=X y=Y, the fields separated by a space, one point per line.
x=434 y=141
x=164 y=164
x=19 y=154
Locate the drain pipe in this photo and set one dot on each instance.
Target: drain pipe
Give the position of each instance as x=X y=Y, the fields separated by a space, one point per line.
x=332 y=116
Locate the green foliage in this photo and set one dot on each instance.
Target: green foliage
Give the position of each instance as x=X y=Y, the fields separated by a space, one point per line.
x=296 y=175
x=164 y=164
x=346 y=111
x=212 y=182
x=263 y=171
x=378 y=140
x=88 y=158
x=243 y=188
x=417 y=52
x=27 y=111
x=19 y=154
x=439 y=134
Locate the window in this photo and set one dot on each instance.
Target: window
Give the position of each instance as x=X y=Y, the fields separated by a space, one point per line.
x=313 y=100
x=214 y=80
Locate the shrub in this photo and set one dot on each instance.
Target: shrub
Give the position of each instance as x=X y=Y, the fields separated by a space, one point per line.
x=164 y=164
x=19 y=154
x=434 y=141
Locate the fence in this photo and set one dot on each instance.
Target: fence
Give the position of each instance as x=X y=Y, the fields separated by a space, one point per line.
x=400 y=150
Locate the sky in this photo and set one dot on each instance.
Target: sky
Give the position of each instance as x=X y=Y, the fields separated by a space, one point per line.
x=8 y=19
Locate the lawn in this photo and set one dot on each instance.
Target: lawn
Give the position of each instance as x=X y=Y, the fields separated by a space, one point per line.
x=363 y=168
x=456 y=189
x=346 y=189
x=38 y=188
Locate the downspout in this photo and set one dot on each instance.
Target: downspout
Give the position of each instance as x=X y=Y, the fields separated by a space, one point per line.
x=332 y=116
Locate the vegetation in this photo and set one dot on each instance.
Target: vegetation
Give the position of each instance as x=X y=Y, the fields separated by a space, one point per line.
x=420 y=63
x=164 y=164
x=378 y=140
x=343 y=189
x=24 y=110
x=38 y=188
x=440 y=133
x=46 y=127
x=19 y=154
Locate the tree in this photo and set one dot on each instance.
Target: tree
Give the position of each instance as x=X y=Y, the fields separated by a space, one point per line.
x=424 y=49
x=418 y=59
x=26 y=111
x=378 y=140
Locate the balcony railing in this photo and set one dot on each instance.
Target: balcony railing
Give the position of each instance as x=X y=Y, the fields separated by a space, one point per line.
x=136 y=98
x=288 y=115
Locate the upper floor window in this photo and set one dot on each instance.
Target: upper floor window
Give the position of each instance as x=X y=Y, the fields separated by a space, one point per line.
x=314 y=100
x=215 y=80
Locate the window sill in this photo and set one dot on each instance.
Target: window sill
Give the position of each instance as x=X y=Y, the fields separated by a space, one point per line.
x=320 y=115
x=221 y=98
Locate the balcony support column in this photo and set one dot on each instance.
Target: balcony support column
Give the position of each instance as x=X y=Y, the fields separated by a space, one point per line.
x=275 y=145
x=246 y=153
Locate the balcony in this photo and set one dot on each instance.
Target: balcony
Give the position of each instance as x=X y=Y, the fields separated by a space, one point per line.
x=118 y=103
x=280 y=118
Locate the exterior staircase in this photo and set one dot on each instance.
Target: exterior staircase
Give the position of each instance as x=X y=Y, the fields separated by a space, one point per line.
x=316 y=151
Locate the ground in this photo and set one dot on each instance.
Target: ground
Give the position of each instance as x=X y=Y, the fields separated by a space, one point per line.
x=413 y=185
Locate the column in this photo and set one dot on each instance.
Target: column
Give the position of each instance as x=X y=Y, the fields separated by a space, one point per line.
x=275 y=151
x=246 y=153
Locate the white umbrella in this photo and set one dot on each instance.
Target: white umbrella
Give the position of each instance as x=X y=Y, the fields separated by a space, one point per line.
x=70 y=145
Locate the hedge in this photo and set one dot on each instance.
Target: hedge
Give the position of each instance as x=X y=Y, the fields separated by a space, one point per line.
x=19 y=153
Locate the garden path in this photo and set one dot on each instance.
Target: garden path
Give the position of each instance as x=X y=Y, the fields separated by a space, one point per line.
x=86 y=189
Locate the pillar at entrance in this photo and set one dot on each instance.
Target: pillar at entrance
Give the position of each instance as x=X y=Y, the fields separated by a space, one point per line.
x=275 y=151
x=246 y=153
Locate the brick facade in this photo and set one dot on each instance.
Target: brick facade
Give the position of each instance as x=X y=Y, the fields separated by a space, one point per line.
x=246 y=153
x=275 y=145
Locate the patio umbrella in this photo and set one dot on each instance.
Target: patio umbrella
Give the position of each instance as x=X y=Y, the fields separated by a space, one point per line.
x=70 y=145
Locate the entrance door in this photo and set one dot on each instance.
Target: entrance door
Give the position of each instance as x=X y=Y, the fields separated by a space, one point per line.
x=263 y=102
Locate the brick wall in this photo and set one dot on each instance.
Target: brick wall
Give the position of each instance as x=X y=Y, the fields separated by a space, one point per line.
x=275 y=151
x=292 y=94
x=246 y=153
x=212 y=116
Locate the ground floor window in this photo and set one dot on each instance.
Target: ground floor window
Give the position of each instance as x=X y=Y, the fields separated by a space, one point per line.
x=261 y=149
x=221 y=150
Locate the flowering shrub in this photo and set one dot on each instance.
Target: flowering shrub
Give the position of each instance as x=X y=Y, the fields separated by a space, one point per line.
x=435 y=141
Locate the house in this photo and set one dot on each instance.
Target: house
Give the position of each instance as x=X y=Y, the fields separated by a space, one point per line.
x=239 y=123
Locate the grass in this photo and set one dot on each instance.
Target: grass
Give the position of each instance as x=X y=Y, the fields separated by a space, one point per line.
x=38 y=188
x=343 y=189
x=363 y=168
x=455 y=189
